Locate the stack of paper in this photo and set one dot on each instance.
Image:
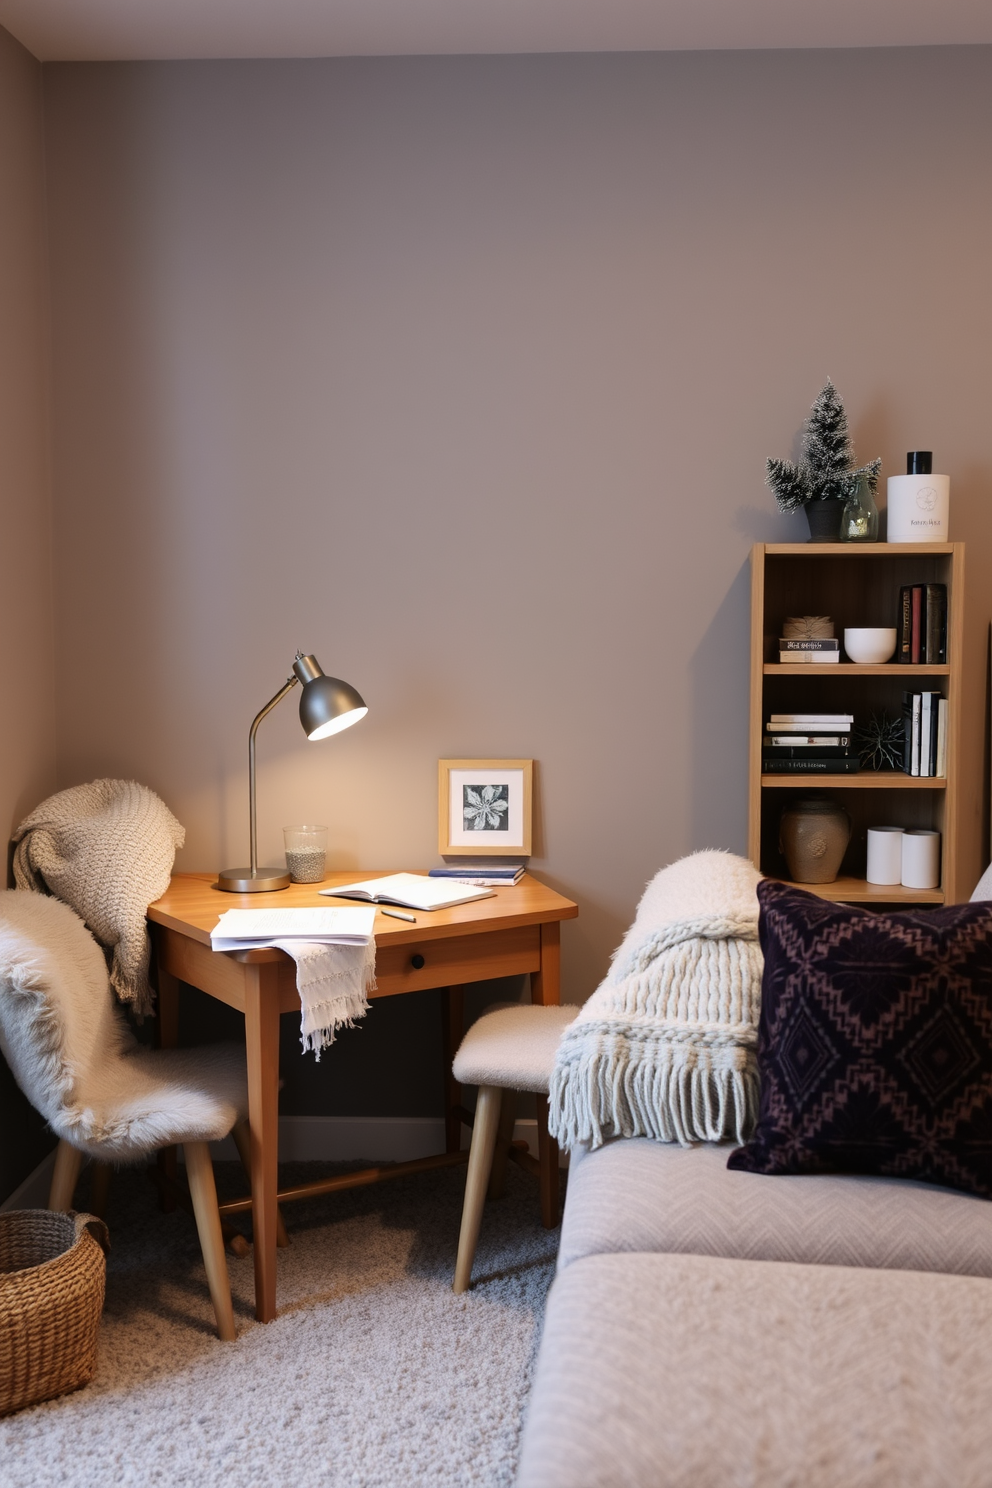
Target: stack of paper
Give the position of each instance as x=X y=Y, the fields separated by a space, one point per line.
x=240 y=929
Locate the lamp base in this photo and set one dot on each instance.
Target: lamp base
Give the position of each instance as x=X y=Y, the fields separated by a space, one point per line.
x=262 y=881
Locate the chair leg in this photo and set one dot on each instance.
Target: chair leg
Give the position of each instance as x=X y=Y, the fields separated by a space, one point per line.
x=501 y=1155
x=100 y=1188
x=547 y=1156
x=480 y=1160
x=242 y=1140
x=203 y=1192
x=68 y=1161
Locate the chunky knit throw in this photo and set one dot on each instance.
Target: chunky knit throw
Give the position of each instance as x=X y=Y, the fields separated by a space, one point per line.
x=664 y=1047
x=106 y=849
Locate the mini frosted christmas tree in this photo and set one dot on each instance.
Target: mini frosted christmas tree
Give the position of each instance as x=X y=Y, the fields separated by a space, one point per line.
x=826 y=470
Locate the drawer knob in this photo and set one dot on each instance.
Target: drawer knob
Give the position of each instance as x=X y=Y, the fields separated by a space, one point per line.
x=417 y=961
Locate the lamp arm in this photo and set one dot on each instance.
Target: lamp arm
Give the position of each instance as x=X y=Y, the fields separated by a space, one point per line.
x=287 y=687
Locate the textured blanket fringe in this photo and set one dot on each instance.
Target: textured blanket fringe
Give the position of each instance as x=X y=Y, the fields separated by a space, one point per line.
x=333 y=983
x=678 y=1093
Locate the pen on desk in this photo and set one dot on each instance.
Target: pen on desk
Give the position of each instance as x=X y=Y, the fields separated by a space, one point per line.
x=395 y=914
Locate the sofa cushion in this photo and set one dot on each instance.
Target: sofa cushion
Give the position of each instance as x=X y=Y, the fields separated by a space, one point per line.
x=639 y=1195
x=874 y=1041
x=693 y=1372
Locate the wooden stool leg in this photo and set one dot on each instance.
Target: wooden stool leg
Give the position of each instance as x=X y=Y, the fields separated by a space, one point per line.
x=480 y=1159
x=547 y=1156
x=501 y=1156
x=100 y=1188
x=203 y=1192
x=242 y=1140
x=65 y=1174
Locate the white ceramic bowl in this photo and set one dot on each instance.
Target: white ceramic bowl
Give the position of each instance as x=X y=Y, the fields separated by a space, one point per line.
x=870 y=645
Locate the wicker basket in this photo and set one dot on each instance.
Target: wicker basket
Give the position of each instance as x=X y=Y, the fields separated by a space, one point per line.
x=52 y=1273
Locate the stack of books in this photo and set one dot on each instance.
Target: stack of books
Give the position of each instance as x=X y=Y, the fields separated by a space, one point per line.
x=925 y=719
x=809 y=744
x=795 y=652
x=922 y=625
x=501 y=873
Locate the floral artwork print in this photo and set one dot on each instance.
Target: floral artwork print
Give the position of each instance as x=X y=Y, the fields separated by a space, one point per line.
x=485 y=808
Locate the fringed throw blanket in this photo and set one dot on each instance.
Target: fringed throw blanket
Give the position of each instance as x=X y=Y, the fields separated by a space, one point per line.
x=106 y=849
x=664 y=1048
x=333 y=982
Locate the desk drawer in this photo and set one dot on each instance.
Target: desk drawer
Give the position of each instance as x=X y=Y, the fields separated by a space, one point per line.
x=446 y=963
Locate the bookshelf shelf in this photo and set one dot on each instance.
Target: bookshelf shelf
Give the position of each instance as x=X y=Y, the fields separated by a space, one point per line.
x=866 y=780
x=859 y=891
x=858 y=585
x=849 y=669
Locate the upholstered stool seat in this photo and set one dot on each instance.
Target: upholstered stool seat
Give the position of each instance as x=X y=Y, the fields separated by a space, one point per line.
x=508 y=1048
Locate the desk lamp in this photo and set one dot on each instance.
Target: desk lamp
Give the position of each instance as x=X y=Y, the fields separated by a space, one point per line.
x=327 y=706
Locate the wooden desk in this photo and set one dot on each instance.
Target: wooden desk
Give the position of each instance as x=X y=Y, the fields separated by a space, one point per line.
x=515 y=931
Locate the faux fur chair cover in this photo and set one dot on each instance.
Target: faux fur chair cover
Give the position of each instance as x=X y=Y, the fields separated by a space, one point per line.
x=107 y=850
x=76 y=1060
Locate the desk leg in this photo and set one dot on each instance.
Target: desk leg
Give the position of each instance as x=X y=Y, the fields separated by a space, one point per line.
x=452 y=1028
x=167 y=1037
x=262 y=1040
x=545 y=985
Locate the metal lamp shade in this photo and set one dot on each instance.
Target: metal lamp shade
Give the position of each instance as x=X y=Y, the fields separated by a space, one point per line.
x=329 y=705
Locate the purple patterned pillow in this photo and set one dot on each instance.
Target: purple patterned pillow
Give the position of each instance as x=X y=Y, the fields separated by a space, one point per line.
x=875 y=1042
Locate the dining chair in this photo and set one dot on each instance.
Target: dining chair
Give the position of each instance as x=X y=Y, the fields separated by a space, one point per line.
x=509 y=1048
x=103 y=1094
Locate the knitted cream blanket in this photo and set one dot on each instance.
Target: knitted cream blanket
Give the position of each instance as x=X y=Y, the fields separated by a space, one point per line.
x=664 y=1048
x=106 y=849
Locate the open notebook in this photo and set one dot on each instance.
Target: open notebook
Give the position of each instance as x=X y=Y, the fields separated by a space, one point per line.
x=415 y=890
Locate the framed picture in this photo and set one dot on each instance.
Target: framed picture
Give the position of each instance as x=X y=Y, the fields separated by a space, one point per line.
x=484 y=807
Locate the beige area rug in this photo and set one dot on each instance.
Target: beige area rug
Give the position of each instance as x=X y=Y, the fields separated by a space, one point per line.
x=375 y=1375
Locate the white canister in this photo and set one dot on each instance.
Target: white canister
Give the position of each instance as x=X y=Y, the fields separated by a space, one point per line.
x=920 y=858
x=919 y=502
x=884 y=855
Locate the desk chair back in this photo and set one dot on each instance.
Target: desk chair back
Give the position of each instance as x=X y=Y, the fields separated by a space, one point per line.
x=102 y=1093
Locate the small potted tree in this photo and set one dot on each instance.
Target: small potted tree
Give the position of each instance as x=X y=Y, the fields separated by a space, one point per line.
x=825 y=478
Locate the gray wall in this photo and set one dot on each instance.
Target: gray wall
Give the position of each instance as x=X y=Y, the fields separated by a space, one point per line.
x=27 y=730
x=462 y=373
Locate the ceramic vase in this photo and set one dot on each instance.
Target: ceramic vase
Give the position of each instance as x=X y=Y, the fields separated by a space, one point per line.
x=813 y=835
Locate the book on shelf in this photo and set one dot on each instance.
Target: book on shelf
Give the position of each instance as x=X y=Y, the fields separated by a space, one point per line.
x=805 y=723
x=817 y=764
x=922 y=625
x=925 y=724
x=808 y=652
x=803 y=740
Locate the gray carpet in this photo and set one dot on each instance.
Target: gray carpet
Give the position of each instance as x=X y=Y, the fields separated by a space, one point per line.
x=373 y=1376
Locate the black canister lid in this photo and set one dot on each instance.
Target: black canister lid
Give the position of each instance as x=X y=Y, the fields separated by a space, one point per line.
x=919 y=462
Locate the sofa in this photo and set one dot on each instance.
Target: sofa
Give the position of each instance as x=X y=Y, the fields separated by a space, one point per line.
x=711 y=1327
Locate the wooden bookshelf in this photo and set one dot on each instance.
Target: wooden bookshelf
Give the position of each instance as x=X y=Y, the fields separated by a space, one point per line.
x=859 y=584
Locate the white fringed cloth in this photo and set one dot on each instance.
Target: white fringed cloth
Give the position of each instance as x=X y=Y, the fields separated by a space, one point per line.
x=665 y=1047
x=333 y=983
x=106 y=849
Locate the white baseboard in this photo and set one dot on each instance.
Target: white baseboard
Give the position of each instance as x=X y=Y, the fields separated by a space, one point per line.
x=314 y=1139
x=33 y=1192
x=364 y=1138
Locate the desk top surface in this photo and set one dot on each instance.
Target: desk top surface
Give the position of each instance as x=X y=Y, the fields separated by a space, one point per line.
x=193 y=906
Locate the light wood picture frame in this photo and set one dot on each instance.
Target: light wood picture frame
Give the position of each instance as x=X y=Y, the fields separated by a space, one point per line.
x=484 y=807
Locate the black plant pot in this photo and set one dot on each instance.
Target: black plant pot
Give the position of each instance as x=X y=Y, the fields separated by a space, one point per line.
x=824 y=519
